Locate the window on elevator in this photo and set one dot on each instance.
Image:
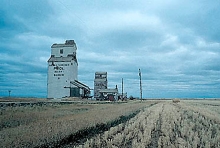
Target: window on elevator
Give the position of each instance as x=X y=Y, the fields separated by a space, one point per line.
x=61 y=51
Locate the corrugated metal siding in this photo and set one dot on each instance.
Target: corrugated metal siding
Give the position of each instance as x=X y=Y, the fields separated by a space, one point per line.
x=74 y=92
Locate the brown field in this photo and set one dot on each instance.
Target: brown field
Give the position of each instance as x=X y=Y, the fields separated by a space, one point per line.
x=183 y=124
x=160 y=123
x=36 y=125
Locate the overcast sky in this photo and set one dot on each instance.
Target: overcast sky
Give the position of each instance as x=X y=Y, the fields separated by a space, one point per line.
x=175 y=43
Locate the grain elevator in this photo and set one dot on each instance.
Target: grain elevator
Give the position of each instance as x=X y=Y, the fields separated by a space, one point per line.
x=100 y=82
x=62 y=79
x=101 y=90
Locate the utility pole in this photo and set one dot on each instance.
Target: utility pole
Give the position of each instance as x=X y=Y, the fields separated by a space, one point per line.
x=122 y=88
x=140 y=84
x=9 y=93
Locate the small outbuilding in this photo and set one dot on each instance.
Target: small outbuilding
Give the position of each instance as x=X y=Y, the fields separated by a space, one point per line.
x=108 y=94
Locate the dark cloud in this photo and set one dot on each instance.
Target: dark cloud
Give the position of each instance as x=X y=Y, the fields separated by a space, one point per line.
x=175 y=43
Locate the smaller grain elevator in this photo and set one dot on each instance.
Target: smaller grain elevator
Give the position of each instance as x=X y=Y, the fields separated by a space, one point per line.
x=100 y=82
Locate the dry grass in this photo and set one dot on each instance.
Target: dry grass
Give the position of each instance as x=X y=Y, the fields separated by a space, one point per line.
x=30 y=126
x=11 y=99
x=165 y=125
x=189 y=123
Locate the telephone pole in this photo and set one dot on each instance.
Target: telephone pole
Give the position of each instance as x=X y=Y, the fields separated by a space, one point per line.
x=140 y=84
x=122 y=88
x=9 y=93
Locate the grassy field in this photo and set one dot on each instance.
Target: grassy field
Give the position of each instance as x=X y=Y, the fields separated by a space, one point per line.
x=159 y=123
x=36 y=125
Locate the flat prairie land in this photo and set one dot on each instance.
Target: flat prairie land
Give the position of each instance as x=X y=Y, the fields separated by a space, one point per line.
x=186 y=124
x=156 y=123
x=43 y=124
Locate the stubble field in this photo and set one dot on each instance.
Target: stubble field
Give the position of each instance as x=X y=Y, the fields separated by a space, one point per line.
x=155 y=123
x=166 y=124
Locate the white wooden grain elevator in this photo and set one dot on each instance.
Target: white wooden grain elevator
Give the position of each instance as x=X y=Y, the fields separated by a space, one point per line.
x=62 y=79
